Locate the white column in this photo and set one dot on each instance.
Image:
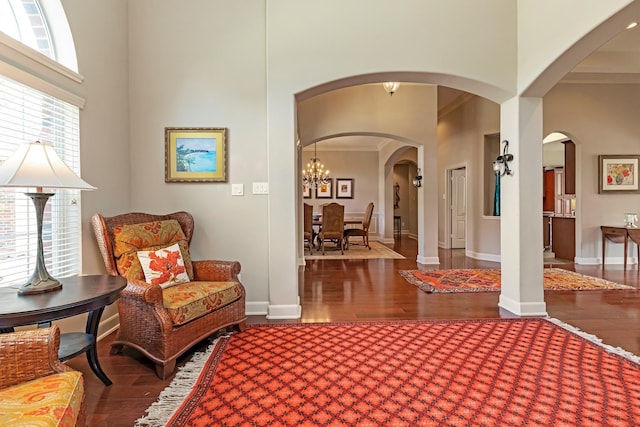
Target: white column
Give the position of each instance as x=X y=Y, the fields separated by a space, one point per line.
x=428 y=204
x=521 y=209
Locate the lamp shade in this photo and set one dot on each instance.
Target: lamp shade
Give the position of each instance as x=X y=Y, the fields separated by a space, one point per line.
x=38 y=165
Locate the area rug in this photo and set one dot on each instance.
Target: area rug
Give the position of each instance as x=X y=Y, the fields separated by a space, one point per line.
x=486 y=280
x=507 y=372
x=378 y=251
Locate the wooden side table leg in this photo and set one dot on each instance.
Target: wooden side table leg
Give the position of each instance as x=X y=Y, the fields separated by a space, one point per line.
x=626 y=241
x=604 y=238
x=93 y=321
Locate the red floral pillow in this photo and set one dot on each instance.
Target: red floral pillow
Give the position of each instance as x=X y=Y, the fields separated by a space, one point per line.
x=164 y=267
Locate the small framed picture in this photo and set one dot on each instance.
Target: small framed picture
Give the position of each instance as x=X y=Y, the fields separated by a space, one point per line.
x=306 y=191
x=195 y=155
x=323 y=191
x=618 y=173
x=344 y=188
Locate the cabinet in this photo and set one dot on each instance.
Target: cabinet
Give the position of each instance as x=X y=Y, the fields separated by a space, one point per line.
x=564 y=204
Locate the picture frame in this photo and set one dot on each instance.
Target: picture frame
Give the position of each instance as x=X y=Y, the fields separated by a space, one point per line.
x=195 y=154
x=344 y=188
x=324 y=191
x=306 y=191
x=618 y=173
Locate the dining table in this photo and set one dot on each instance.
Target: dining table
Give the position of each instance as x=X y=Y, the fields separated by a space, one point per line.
x=317 y=222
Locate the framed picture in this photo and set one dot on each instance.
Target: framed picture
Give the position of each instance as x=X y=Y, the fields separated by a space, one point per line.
x=306 y=191
x=344 y=188
x=195 y=155
x=323 y=191
x=618 y=173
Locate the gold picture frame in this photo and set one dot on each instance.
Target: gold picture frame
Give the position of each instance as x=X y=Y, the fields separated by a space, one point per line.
x=195 y=155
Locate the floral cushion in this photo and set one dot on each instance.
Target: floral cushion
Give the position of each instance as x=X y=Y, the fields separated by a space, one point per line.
x=164 y=267
x=148 y=236
x=54 y=400
x=189 y=301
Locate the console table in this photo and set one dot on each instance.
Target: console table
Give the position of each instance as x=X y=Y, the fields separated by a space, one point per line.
x=81 y=294
x=619 y=234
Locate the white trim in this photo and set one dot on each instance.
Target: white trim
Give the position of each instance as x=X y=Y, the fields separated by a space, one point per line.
x=256 y=308
x=427 y=260
x=111 y=323
x=291 y=311
x=588 y=261
x=523 y=309
x=23 y=54
x=37 y=83
x=483 y=256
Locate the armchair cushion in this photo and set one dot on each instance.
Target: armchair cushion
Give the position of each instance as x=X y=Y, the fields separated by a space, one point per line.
x=54 y=400
x=148 y=236
x=191 y=300
x=164 y=267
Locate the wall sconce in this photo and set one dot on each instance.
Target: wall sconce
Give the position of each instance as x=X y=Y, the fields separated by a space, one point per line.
x=501 y=163
x=417 y=181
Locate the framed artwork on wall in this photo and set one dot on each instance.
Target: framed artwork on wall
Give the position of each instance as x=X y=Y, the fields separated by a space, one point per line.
x=306 y=191
x=323 y=191
x=618 y=173
x=195 y=155
x=344 y=188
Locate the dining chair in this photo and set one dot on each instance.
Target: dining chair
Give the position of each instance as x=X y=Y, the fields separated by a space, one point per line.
x=364 y=231
x=308 y=226
x=332 y=225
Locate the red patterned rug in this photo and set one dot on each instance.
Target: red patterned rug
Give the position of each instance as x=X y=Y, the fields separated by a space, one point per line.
x=507 y=372
x=486 y=280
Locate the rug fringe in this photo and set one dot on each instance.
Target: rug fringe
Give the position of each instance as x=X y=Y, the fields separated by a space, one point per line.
x=596 y=340
x=172 y=396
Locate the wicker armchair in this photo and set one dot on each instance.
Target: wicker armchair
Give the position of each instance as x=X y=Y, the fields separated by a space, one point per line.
x=35 y=388
x=145 y=323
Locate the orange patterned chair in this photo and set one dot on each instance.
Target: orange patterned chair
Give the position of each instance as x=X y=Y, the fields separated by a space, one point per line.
x=35 y=388
x=165 y=314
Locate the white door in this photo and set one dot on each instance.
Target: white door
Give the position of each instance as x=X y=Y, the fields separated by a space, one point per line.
x=458 y=208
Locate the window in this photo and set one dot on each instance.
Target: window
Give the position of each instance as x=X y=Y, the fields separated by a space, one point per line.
x=32 y=109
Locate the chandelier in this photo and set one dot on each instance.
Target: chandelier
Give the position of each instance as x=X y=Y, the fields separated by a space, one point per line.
x=315 y=175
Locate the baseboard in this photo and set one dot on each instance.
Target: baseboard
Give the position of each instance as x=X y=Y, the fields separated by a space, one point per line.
x=523 y=309
x=292 y=311
x=256 y=308
x=483 y=256
x=108 y=326
x=427 y=260
x=588 y=261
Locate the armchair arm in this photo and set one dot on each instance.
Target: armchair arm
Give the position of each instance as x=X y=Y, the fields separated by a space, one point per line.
x=216 y=271
x=31 y=354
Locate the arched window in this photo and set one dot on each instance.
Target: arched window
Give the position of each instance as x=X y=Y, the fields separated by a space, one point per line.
x=32 y=108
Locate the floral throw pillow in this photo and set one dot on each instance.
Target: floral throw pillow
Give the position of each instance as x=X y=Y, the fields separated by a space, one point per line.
x=164 y=267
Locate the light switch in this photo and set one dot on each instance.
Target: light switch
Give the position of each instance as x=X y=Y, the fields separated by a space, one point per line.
x=237 y=189
x=260 y=188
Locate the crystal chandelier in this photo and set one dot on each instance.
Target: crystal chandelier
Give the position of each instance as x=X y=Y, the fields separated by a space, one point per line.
x=315 y=174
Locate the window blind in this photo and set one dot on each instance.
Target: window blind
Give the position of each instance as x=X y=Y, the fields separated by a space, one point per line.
x=27 y=115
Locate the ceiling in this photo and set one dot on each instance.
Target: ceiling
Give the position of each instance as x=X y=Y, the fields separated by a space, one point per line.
x=617 y=61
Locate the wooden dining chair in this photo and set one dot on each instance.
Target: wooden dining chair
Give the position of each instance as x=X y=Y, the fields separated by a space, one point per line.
x=308 y=226
x=332 y=225
x=364 y=231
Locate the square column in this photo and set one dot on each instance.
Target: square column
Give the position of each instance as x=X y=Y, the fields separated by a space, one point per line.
x=521 y=244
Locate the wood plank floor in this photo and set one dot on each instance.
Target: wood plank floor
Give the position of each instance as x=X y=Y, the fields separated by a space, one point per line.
x=364 y=290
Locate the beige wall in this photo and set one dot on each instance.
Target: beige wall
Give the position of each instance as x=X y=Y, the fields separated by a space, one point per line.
x=214 y=63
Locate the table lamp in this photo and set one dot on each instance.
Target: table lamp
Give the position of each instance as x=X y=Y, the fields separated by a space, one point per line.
x=38 y=165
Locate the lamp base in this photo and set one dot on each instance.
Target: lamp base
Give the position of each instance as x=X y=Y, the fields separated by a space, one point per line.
x=40 y=287
x=40 y=281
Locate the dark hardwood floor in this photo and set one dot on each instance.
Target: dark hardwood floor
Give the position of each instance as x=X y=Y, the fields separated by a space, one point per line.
x=366 y=290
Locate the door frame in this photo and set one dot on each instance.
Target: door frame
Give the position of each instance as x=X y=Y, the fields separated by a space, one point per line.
x=447 y=229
